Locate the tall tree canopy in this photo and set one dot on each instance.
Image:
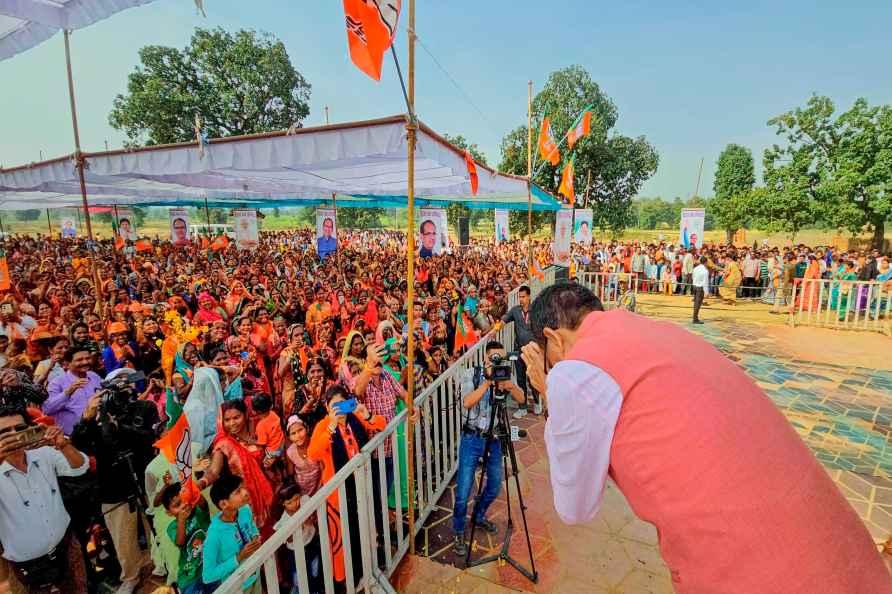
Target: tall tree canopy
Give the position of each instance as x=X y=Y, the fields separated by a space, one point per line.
x=238 y=83
x=836 y=169
x=616 y=165
x=734 y=179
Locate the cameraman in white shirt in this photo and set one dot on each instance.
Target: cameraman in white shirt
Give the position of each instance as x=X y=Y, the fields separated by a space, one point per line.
x=700 y=280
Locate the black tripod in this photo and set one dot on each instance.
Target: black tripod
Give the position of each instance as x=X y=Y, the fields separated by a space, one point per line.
x=499 y=429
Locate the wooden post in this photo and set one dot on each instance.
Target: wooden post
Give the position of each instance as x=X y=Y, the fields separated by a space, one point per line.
x=79 y=161
x=49 y=226
x=412 y=129
x=207 y=215
x=530 y=180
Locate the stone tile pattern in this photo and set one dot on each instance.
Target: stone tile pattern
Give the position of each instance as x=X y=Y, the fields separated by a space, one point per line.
x=843 y=413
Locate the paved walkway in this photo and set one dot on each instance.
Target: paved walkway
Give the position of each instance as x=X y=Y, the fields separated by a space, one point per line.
x=834 y=387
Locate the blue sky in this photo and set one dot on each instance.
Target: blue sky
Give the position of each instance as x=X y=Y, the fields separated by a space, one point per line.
x=690 y=76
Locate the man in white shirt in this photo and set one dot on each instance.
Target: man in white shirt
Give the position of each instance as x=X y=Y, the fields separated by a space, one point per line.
x=700 y=280
x=34 y=525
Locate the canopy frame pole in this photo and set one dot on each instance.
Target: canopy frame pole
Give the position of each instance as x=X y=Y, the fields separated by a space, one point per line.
x=80 y=162
x=207 y=215
x=530 y=180
x=49 y=225
x=412 y=129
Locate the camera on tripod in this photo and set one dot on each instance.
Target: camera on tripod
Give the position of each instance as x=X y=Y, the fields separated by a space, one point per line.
x=500 y=371
x=119 y=402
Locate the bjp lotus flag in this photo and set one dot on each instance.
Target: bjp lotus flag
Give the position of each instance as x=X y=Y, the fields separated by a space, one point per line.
x=472 y=172
x=221 y=243
x=465 y=336
x=143 y=245
x=371 y=26
x=536 y=270
x=176 y=445
x=566 y=188
x=548 y=150
x=581 y=128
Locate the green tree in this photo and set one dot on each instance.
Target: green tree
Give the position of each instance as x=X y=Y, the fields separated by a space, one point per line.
x=514 y=160
x=610 y=168
x=28 y=215
x=734 y=180
x=837 y=167
x=359 y=218
x=238 y=83
x=456 y=210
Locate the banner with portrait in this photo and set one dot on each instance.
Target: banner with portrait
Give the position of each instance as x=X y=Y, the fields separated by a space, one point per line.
x=326 y=232
x=179 y=226
x=582 y=226
x=125 y=223
x=69 y=225
x=245 y=223
x=691 y=227
x=502 y=230
x=430 y=232
x=563 y=225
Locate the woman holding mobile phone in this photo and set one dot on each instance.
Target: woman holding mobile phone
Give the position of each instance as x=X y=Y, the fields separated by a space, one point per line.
x=335 y=441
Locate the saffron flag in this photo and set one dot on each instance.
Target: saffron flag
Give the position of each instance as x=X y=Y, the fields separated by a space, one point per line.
x=176 y=445
x=4 y=273
x=371 y=27
x=143 y=245
x=548 y=150
x=536 y=270
x=221 y=243
x=472 y=172
x=119 y=242
x=581 y=128
x=465 y=336
x=566 y=188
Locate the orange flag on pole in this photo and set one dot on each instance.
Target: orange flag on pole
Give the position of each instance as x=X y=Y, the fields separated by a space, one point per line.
x=472 y=172
x=176 y=445
x=581 y=128
x=566 y=188
x=143 y=245
x=119 y=242
x=548 y=150
x=536 y=270
x=221 y=243
x=371 y=26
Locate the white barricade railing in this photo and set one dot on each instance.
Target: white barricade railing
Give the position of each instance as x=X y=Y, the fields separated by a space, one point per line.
x=609 y=286
x=437 y=436
x=847 y=305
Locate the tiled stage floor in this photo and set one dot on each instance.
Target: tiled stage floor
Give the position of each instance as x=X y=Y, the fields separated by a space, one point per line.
x=843 y=411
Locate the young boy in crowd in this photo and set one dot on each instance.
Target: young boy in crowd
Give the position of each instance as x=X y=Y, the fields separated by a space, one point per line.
x=232 y=536
x=189 y=532
x=269 y=430
x=291 y=498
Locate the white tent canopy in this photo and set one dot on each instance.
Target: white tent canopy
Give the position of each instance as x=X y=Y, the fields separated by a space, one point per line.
x=365 y=160
x=26 y=23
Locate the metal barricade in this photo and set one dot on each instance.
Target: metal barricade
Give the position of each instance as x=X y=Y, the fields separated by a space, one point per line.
x=609 y=286
x=384 y=539
x=846 y=305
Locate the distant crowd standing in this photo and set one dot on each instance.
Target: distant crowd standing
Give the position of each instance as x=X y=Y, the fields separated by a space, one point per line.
x=768 y=274
x=255 y=349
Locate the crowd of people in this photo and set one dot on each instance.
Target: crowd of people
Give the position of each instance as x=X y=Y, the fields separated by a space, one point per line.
x=282 y=363
x=764 y=273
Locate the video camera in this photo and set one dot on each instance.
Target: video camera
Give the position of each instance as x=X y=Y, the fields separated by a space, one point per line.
x=119 y=402
x=501 y=366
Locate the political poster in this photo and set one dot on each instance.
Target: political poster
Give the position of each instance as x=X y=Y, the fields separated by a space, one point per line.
x=502 y=229
x=691 y=227
x=563 y=224
x=430 y=231
x=69 y=226
x=326 y=232
x=582 y=226
x=246 y=236
x=125 y=223
x=179 y=226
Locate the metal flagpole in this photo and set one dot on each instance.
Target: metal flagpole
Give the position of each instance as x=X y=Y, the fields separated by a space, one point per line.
x=48 y=225
x=412 y=129
x=79 y=160
x=530 y=180
x=207 y=215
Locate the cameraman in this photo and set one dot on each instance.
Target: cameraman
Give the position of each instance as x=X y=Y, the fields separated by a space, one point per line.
x=119 y=431
x=477 y=391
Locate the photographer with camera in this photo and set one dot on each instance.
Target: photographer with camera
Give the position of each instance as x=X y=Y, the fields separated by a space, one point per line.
x=482 y=389
x=119 y=431
x=34 y=525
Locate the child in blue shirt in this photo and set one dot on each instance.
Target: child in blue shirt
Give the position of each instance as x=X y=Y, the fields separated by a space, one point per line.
x=232 y=536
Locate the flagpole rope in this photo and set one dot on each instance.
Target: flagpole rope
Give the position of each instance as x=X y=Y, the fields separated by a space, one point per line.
x=399 y=73
x=455 y=83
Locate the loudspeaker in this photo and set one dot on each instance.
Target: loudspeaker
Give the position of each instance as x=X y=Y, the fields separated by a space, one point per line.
x=464 y=231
